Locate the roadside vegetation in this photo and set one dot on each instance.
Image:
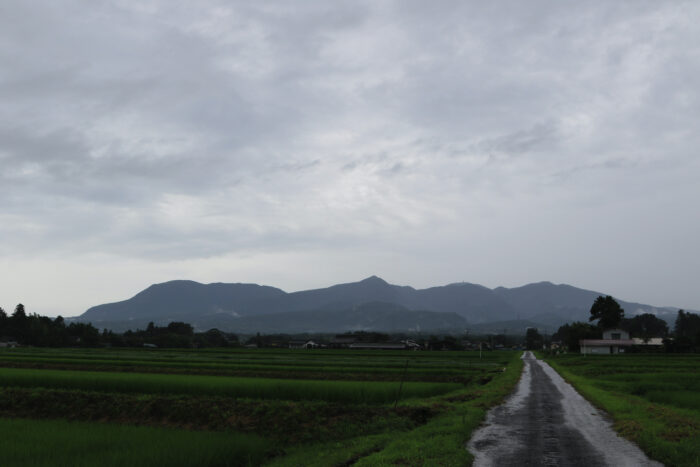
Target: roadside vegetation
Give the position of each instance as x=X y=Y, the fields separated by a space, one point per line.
x=653 y=398
x=234 y=406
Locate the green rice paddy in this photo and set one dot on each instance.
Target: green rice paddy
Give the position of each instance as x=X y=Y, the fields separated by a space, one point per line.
x=358 y=392
x=245 y=407
x=60 y=443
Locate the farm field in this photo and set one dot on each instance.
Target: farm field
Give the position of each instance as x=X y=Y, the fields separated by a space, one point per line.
x=654 y=399
x=245 y=406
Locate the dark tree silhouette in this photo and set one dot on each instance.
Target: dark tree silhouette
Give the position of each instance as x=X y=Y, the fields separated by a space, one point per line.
x=687 y=331
x=571 y=334
x=19 y=314
x=645 y=326
x=42 y=331
x=607 y=311
x=533 y=339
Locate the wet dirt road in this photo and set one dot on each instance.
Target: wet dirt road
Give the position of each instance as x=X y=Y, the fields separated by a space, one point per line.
x=545 y=422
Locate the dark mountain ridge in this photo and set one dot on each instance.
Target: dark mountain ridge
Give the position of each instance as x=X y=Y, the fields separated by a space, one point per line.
x=370 y=304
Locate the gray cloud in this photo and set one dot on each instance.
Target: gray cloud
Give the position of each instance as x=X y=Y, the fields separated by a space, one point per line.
x=429 y=143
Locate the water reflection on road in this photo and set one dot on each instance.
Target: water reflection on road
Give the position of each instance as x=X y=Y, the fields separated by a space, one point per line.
x=545 y=422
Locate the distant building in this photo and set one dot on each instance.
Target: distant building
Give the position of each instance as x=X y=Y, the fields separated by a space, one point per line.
x=614 y=341
x=378 y=346
x=651 y=342
x=411 y=344
x=302 y=344
x=341 y=342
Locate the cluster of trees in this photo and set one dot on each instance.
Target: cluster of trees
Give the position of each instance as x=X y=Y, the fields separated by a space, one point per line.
x=175 y=335
x=608 y=314
x=432 y=342
x=686 y=332
x=42 y=331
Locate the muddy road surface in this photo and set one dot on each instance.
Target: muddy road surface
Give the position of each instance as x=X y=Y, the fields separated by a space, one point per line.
x=545 y=422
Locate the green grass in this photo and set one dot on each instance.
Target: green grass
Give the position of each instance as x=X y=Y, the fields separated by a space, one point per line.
x=61 y=443
x=333 y=420
x=261 y=388
x=338 y=363
x=344 y=452
x=653 y=399
x=440 y=442
x=286 y=422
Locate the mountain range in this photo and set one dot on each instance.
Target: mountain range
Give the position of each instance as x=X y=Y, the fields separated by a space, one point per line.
x=371 y=304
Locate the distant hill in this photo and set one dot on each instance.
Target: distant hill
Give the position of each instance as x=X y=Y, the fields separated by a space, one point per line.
x=370 y=304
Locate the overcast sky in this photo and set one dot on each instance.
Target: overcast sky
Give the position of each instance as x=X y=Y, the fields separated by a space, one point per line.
x=302 y=144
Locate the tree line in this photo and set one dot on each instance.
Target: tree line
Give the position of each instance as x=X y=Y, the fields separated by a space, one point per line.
x=685 y=336
x=42 y=331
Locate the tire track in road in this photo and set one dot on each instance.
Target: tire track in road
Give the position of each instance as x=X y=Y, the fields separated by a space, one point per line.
x=545 y=422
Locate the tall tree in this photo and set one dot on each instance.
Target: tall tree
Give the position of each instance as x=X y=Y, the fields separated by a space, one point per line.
x=687 y=331
x=19 y=314
x=607 y=311
x=533 y=339
x=4 y=320
x=19 y=324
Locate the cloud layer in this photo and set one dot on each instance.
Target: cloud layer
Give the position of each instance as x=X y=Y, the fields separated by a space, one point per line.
x=309 y=143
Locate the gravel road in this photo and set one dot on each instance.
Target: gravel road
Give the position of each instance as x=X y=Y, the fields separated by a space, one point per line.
x=545 y=422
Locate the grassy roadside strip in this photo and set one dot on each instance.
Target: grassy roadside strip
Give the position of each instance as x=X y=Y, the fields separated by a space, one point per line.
x=440 y=442
x=667 y=434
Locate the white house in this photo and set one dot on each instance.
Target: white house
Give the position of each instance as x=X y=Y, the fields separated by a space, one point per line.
x=613 y=341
